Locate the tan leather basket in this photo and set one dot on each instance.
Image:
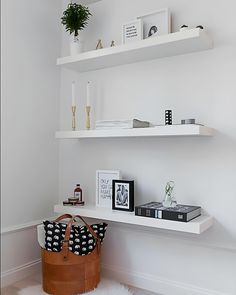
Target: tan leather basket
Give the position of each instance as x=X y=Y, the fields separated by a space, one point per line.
x=65 y=273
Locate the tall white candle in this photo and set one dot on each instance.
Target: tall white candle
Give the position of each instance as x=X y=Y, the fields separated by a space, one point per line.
x=73 y=93
x=88 y=101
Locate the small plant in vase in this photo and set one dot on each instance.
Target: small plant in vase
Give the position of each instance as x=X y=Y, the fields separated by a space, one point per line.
x=75 y=18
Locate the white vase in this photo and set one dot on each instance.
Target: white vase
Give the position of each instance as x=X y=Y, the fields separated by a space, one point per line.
x=75 y=45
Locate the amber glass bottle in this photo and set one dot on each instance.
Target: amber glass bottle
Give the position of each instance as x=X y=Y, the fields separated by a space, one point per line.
x=78 y=192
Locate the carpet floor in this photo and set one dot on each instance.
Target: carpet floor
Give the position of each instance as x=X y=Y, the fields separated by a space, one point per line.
x=106 y=287
x=28 y=283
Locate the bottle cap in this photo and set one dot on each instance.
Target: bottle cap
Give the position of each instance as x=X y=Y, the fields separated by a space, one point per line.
x=77 y=184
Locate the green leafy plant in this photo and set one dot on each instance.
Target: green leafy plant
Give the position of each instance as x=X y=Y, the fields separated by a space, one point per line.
x=75 y=18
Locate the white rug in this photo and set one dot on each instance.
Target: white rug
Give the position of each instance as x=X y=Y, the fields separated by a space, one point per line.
x=106 y=287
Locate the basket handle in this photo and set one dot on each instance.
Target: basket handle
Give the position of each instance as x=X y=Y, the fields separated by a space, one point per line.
x=63 y=217
x=65 y=242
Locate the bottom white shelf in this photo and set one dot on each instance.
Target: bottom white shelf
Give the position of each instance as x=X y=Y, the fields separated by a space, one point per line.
x=196 y=226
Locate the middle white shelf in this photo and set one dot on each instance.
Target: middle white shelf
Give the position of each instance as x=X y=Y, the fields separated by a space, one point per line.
x=167 y=130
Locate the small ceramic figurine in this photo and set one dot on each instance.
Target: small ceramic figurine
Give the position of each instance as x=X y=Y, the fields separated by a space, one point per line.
x=112 y=43
x=183 y=28
x=200 y=27
x=99 y=44
x=188 y=121
x=169 y=200
x=168 y=117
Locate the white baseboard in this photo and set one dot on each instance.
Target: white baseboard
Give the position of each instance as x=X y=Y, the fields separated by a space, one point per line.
x=24 y=226
x=19 y=273
x=154 y=283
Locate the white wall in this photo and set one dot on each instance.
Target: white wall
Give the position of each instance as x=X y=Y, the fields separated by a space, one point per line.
x=199 y=85
x=30 y=105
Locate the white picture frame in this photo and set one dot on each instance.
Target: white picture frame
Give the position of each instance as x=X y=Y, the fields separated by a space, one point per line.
x=156 y=23
x=104 y=187
x=132 y=31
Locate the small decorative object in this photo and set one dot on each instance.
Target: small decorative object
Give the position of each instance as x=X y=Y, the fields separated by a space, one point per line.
x=75 y=18
x=78 y=193
x=200 y=27
x=132 y=31
x=169 y=200
x=123 y=195
x=99 y=44
x=88 y=106
x=168 y=117
x=104 y=187
x=156 y=23
x=188 y=121
x=73 y=106
x=184 y=28
x=112 y=43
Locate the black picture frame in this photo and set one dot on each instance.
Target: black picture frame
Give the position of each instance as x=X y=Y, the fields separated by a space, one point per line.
x=123 y=195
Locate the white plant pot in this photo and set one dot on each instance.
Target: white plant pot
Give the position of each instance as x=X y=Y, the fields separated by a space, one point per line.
x=76 y=46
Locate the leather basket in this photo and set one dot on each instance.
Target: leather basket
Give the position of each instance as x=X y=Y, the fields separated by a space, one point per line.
x=65 y=273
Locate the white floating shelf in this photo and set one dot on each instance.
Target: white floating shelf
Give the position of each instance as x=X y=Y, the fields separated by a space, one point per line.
x=195 y=226
x=167 y=45
x=167 y=130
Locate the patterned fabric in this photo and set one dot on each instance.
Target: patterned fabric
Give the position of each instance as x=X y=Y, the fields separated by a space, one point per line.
x=81 y=240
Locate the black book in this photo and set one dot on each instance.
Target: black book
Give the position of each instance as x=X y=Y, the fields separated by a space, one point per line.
x=182 y=213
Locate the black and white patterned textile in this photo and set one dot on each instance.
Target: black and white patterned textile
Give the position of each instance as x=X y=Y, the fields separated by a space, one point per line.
x=81 y=241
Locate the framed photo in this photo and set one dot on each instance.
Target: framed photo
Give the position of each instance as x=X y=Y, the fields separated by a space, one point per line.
x=132 y=31
x=156 y=23
x=104 y=187
x=123 y=195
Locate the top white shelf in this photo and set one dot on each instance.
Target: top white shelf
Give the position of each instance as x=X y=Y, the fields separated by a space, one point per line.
x=87 y=2
x=167 y=45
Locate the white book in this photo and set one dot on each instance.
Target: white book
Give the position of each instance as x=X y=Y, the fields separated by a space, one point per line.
x=121 y=124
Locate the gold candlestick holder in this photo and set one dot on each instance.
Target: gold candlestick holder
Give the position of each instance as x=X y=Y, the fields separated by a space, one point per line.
x=73 y=108
x=88 y=109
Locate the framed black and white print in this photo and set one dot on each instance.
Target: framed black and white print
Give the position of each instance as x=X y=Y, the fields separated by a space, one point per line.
x=123 y=195
x=156 y=23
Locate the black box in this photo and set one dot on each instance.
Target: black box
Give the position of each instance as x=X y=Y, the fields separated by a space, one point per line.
x=182 y=213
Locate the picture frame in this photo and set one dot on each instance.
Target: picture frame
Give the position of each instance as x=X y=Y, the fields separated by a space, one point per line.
x=123 y=195
x=156 y=23
x=104 y=187
x=132 y=31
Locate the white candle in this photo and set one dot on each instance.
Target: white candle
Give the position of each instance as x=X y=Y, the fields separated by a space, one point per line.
x=88 y=101
x=73 y=93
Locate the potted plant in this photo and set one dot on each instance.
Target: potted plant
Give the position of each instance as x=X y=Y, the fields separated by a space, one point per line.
x=75 y=18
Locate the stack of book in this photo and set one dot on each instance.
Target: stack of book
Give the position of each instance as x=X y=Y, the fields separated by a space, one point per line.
x=121 y=124
x=182 y=213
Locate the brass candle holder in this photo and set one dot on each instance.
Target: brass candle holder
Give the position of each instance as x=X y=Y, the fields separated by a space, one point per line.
x=73 y=108
x=88 y=109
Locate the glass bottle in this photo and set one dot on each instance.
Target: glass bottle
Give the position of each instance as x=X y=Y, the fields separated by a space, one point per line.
x=78 y=193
